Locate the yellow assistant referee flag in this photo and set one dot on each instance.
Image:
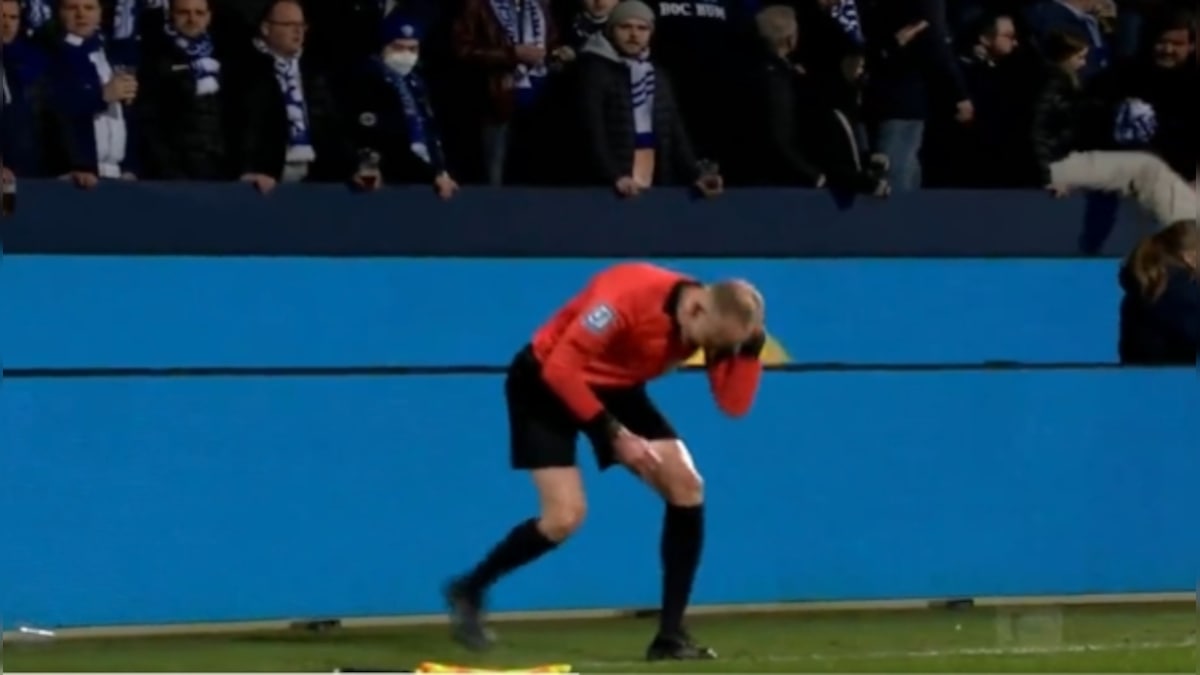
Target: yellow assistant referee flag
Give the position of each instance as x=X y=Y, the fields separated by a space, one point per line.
x=773 y=354
x=429 y=667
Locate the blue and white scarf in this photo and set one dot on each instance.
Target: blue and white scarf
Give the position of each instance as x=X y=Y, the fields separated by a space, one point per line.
x=90 y=69
x=199 y=51
x=525 y=25
x=641 y=88
x=287 y=74
x=411 y=91
x=846 y=14
x=79 y=59
x=1136 y=123
x=37 y=14
x=125 y=19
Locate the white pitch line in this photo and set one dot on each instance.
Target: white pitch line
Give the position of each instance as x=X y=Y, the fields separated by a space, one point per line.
x=941 y=653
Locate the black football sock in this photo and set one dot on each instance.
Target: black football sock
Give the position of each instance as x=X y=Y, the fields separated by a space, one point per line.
x=524 y=544
x=682 y=541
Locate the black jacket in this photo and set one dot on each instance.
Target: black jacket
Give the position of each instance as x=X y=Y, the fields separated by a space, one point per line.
x=1165 y=331
x=995 y=149
x=801 y=134
x=264 y=142
x=1065 y=120
x=186 y=136
x=906 y=79
x=823 y=43
x=380 y=126
x=606 y=106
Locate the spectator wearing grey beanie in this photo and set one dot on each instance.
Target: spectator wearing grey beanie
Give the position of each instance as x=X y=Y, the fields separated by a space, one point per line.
x=634 y=135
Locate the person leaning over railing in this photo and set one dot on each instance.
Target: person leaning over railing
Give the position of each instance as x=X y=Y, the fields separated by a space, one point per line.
x=1068 y=126
x=1160 y=314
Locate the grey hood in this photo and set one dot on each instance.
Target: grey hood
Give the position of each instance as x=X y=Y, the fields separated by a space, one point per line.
x=599 y=45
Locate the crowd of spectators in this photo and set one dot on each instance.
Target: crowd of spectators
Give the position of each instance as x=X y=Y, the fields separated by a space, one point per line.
x=873 y=96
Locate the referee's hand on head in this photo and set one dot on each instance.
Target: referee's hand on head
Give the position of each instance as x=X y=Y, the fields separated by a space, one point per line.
x=635 y=452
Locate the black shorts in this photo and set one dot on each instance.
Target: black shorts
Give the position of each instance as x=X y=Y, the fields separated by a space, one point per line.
x=543 y=431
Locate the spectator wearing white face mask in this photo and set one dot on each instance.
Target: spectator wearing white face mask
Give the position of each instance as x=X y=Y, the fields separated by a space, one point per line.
x=395 y=125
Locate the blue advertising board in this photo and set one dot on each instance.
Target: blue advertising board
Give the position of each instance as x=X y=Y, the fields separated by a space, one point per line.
x=153 y=500
x=317 y=428
x=156 y=312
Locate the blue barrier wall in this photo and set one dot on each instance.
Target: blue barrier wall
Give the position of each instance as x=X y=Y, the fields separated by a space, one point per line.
x=156 y=500
x=224 y=219
x=145 y=498
x=106 y=312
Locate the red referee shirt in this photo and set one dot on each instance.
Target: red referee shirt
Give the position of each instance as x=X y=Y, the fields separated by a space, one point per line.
x=621 y=330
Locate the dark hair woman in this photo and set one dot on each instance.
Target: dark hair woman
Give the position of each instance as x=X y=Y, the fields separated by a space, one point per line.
x=1072 y=125
x=1160 y=315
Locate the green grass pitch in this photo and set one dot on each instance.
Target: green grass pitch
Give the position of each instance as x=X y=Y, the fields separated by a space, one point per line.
x=1107 y=639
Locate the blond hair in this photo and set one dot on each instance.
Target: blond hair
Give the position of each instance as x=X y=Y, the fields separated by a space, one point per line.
x=738 y=300
x=776 y=24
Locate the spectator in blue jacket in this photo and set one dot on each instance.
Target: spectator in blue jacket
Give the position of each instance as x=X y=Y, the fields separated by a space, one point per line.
x=1160 y=315
x=93 y=97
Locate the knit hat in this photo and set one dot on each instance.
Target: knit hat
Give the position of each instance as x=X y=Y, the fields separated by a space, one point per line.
x=631 y=10
x=397 y=26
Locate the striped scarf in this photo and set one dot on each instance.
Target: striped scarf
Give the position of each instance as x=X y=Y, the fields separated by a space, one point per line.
x=201 y=62
x=641 y=84
x=287 y=74
x=523 y=25
x=414 y=104
x=1136 y=123
x=37 y=14
x=846 y=14
x=125 y=19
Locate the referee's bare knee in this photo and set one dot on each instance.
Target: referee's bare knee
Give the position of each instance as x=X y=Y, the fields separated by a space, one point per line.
x=563 y=505
x=677 y=479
